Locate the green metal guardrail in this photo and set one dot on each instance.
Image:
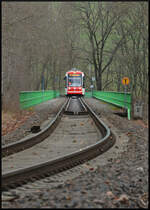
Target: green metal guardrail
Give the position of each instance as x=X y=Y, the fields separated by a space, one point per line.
x=32 y=98
x=117 y=98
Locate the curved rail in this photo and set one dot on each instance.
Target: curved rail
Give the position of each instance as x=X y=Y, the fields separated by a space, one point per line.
x=27 y=142
x=19 y=177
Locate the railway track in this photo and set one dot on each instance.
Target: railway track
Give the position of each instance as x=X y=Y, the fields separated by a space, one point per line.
x=74 y=107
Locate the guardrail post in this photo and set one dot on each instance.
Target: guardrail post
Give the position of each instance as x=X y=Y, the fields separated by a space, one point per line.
x=129 y=116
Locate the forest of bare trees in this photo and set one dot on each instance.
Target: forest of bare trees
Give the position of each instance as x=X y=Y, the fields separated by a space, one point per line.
x=107 y=40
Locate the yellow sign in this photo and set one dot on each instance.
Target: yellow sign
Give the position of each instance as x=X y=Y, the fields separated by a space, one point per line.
x=125 y=81
x=74 y=74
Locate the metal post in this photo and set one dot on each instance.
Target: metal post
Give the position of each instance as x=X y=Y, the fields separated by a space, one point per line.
x=125 y=90
x=125 y=82
x=90 y=78
x=43 y=87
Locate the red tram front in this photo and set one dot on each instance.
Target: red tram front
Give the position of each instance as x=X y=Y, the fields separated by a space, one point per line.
x=74 y=83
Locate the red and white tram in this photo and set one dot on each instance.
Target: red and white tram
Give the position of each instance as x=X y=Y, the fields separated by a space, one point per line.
x=74 y=83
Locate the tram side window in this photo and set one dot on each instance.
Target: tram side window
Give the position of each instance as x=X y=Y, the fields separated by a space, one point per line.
x=65 y=78
x=83 y=82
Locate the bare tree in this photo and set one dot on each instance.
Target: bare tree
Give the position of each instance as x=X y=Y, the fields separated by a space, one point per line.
x=132 y=56
x=99 y=22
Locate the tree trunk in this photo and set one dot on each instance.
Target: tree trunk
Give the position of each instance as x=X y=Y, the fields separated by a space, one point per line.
x=99 y=82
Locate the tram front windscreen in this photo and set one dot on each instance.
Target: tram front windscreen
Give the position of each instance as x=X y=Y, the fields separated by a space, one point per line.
x=74 y=81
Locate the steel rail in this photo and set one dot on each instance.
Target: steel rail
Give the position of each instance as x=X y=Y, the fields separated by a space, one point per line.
x=19 y=177
x=79 y=103
x=28 y=142
x=82 y=104
x=68 y=104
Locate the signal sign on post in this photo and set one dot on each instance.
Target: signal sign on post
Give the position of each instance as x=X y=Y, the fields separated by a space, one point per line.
x=125 y=81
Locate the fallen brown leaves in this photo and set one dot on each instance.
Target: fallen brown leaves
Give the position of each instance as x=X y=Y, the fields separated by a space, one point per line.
x=123 y=198
x=110 y=194
x=12 y=121
x=144 y=125
x=68 y=197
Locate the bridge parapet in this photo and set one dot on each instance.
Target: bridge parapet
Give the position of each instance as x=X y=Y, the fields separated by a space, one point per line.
x=32 y=98
x=120 y=99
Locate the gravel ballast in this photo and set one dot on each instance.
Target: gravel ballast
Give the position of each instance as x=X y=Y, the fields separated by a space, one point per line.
x=120 y=182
